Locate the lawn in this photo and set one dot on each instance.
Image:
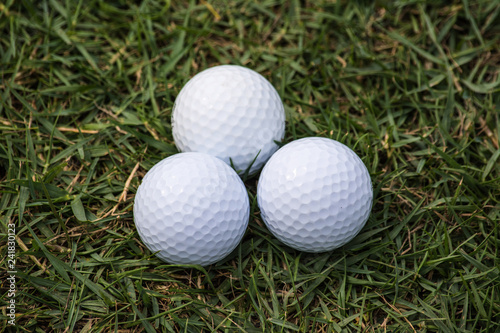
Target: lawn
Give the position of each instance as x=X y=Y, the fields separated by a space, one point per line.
x=87 y=90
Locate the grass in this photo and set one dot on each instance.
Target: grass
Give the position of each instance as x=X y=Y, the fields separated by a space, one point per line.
x=87 y=89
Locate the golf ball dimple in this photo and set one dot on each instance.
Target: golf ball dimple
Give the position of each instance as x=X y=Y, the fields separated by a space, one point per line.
x=192 y=208
x=315 y=194
x=230 y=112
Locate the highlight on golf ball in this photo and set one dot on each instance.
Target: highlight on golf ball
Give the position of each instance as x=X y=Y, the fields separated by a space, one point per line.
x=192 y=208
x=230 y=112
x=315 y=194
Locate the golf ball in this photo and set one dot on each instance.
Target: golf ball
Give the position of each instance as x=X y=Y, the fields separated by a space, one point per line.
x=315 y=194
x=230 y=112
x=192 y=208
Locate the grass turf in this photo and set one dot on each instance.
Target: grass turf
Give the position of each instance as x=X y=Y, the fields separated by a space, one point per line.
x=87 y=89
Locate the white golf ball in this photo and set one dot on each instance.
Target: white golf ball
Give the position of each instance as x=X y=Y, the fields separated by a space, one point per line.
x=231 y=112
x=315 y=194
x=192 y=208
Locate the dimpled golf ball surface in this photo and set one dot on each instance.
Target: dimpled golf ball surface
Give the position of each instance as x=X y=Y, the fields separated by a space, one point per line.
x=231 y=112
x=315 y=194
x=192 y=208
